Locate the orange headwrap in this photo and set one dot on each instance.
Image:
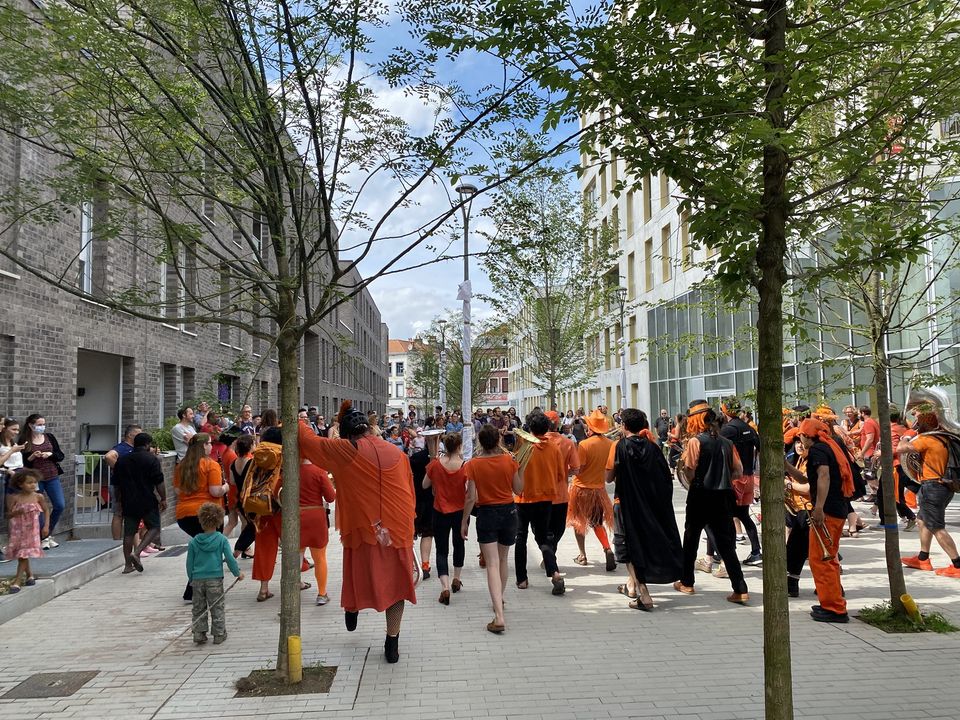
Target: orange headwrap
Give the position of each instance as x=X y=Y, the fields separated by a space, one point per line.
x=813 y=428
x=645 y=433
x=696 y=422
x=824 y=412
x=790 y=435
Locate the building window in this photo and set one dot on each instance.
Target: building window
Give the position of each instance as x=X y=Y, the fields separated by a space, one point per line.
x=664 y=190
x=665 y=252
x=399 y=372
x=494 y=386
x=85 y=275
x=647 y=199
x=648 y=264
x=503 y=385
x=686 y=252
x=398 y=390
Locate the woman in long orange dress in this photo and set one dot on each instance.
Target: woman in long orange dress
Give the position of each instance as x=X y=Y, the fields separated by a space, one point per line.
x=375 y=510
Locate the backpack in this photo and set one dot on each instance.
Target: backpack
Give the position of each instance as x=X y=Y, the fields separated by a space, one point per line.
x=951 y=472
x=261 y=486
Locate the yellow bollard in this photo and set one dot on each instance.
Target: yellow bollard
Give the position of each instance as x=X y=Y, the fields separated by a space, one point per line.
x=910 y=605
x=294 y=659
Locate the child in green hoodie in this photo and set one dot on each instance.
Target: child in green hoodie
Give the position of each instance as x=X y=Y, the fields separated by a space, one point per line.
x=205 y=557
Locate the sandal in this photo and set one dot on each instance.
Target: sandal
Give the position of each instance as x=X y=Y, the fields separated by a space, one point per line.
x=523 y=585
x=31 y=581
x=13 y=589
x=305 y=586
x=580 y=559
x=262 y=597
x=456 y=585
x=622 y=589
x=637 y=605
x=495 y=628
x=444 y=597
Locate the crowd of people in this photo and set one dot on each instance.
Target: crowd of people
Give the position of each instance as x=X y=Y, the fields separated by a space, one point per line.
x=401 y=500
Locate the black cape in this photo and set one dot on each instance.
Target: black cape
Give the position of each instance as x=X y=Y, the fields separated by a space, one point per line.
x=645 y=489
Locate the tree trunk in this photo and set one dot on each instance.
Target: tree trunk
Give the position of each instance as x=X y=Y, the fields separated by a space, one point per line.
x=771 y=251
x=891 y=541
x=290 y=497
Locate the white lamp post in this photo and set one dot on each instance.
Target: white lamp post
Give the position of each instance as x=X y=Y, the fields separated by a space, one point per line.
x=466 y=193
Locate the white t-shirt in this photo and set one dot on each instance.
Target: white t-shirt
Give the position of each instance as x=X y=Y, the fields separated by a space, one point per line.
x=181 y=436
x=15 y=461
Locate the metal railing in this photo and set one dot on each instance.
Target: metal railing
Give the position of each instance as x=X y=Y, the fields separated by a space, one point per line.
x=91 y=490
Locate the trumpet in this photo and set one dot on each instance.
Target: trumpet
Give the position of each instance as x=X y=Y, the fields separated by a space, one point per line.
x=524 y=446
x=614 y=434
x=823 y=540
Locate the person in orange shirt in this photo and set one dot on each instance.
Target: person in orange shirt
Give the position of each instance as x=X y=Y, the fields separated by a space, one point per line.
x=589 y=505
x=375 y=511
x=446 y=476
x=933 y=497
x=571 y=461
x=897 y=432
x=492 y=479
x=197 y=480
x=541 y=477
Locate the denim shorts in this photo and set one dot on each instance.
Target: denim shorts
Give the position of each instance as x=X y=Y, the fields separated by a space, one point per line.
x=497 y=523
x=932 y=501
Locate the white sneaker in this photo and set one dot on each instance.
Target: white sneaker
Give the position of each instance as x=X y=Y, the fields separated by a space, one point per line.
x=53 y=543
x=45 y=544
x=704 y=565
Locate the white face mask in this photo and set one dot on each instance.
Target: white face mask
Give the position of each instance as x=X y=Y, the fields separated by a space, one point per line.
x=40 y=429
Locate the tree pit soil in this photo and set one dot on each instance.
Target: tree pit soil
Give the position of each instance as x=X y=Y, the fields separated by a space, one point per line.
x=267 y=683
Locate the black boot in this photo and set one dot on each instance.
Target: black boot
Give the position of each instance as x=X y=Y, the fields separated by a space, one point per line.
x=793 y=586
x=391 y=648
x=350 y=620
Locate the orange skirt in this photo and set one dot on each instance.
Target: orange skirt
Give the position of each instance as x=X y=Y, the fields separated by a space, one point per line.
x=313 y=528
x=588 y=508
x=376 y=577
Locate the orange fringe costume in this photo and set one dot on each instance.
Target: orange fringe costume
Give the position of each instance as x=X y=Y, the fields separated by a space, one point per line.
x=589 y=504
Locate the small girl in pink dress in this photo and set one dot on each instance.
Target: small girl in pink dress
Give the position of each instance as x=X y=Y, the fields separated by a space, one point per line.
x=24 y=506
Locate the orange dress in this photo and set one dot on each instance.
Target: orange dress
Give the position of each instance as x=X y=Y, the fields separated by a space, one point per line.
x=374 y=494
x=589 y=504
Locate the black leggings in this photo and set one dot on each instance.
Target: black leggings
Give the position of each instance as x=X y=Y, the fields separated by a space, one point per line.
x=536 y=515
x=191 y=526
x=903 y=510
x=798 y=543
x=443 y=525
x=713 y=508
x=247 y=535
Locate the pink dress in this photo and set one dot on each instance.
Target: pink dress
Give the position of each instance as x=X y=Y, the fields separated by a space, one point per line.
x=24 y=528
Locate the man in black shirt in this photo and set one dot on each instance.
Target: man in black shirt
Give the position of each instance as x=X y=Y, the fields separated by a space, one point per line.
x=662 y=427
x=831 y=484
x=139 y=487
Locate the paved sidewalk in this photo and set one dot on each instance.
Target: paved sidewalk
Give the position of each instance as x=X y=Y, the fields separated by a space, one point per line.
x=584 y=655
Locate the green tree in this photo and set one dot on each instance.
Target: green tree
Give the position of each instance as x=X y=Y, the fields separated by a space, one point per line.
x=549 y=267
x=770 y=116
x=237 y=148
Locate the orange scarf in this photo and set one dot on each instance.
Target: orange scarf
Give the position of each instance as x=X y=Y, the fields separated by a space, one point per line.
x=816 y=429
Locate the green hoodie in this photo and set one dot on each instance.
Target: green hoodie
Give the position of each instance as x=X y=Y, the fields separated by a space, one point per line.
x=205 y=556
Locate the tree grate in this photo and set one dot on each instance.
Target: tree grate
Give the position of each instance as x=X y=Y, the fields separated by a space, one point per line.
x=50 y=685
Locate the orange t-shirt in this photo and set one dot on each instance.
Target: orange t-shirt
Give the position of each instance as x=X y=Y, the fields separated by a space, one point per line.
x=210 y=475
x=594 y=453
x=934 y=454
x=544 y=473
x=571 y=461
x=449 y=488
x=493 y=477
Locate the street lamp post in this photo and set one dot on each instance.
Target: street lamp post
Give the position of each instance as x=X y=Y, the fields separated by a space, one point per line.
x=466 y=193
x=442 y=355
x=621 y=293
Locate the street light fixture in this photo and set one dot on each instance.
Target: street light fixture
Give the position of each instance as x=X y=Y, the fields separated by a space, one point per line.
x=466 y=191
x=621 y=294
x=441 y=380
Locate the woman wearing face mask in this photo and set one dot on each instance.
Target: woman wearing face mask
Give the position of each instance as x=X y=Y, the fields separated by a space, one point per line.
x=42 y=452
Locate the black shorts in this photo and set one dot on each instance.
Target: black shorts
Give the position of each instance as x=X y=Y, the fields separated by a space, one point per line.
x=619 y=538
x=132 y=522
x=932 y=501
x=497 y=523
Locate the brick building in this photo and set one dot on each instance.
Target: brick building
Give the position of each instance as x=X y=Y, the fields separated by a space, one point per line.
x=91 y=370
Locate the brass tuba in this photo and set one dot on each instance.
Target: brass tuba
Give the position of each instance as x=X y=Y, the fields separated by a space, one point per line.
x=524 y=446
x=935 y=400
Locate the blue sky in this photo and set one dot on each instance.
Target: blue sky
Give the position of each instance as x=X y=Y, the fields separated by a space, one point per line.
x=409 y=301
